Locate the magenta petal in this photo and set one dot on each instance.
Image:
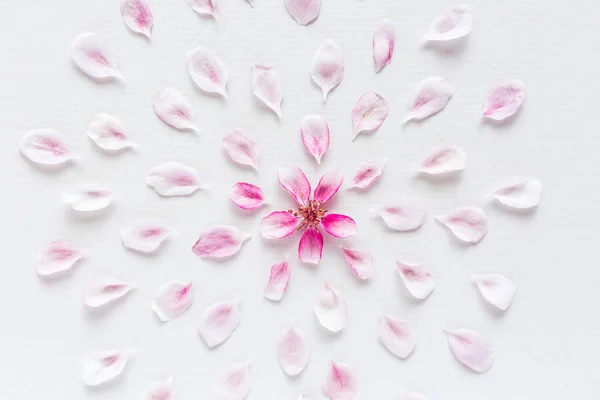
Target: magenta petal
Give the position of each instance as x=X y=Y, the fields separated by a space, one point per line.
x=294 y=181
x=328 y=186
x=278 y=224
x=247 y=196
x=338 y=225
x=310 y=248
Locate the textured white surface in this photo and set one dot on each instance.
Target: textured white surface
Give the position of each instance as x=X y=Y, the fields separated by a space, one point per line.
x=547 y=344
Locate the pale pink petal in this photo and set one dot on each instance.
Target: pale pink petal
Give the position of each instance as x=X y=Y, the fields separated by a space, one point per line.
x=106 y=292
x=416 y=278
x=171 y=106
x=204 y=7
x=88 y=198
x=520 y=194
x=145 y=237
x=219 y=320
x=340 y=226
x=432 y=96
x=219 y=241
x=295 y=182
x=207 y=70
x=504 y=100
x=443 y=160
x=45 y=147
x=383 y=44
x=278 y=224
x=109 y=134
x=172 y=300
x=341 y=383
x=104 y=366
x=137 y=16
x=328 y=186
x=330 y=309
x=468 y=224
x=267 y=86
x=327 y=68
x=163 y=390
x=241 y=149
x=368 y=174
x=93 y=58
x=278 y=281
x=403 y=214
x=292 y=351
x=397 y=336
x=455 y=24
x=496 y=289
x=359 y=261
x=369 y=113
x=234 y=384
x=404 y=395
x=310 y=248
x=303 y=11
x=247 y=196
x=471 y=349
x=174 y=179
x=58 y=258
x=315 y=135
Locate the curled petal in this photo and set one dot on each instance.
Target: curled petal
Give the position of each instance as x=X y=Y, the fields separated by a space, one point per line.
x=241 y=149
x=173 y=179
x=145 y=237
x=278 y=281
x=219 y=320
x=234 y=384
x=292 y=351
x=522 y=194
x=171 y=106
x=416 y=278
x=104 y=366
x=341 y=383
x=207 y=70
x=368 y=174
x=93 y=58
x=468 y=224
x=455 y=24
x=45 y=147
x=327 y=68
x=404 y=214
x=204 y=7
x=443 y=160
x=109 y=134
x=58 y=258
x=397 y=336
x=383 y=44
x=504 y=100
x=137 y=16
x=163 y=390
x=470 y=348
x=328 y=186
x=315 y=135
x=359 y=261
x=172 y=300
x=88 y=198
x=295 y=182
x=247 y=196
x=278 y=224
x=338 y=225
x=310 y=248
x=330 y=309
x=369 y=113
x=303 y=11
x=219 y=241
x=496 y=289
x=107 y=292
x=432 y=96
x=267 y=86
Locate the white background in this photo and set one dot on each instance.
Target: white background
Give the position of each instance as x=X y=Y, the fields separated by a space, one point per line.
x=547 y=345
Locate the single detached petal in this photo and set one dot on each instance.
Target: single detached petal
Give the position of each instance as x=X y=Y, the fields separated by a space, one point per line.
x=341 y=383
x=247 y=196
x=278 y=281
x=504 y=100
x=496 y=289
x=359 y=261
x=521 y=194
x=303 y=11
x=171 y=106
x=330 y=309
x=468 y=224
x=292 y=351
x=204 y=7
x=397 y=336
x=106 y=292
x=310 y=248
x=455 y=24
x=172 y=300
x=219 y=241
x=444 y=160
x=45 y=147
x=404 y=395
x=315 y=135
x=369 y=113
x=338 y=225
x=58 y=258
x=234 y=384
x=108 y=133
x=137 y=16
x=93 y=58
x=219 y=321
x=328 y=186
x=145 y=237
x=471 y=349
x=368 y=174
x=327 y=68
x=241 y=149
x=404 y=214
x=383 y=44
x=163 y=390
x=432 y=96
x=207 y=71
x=88 y=198
x=267 y=86
x=104 y=366
x=416 y=278
x=173 y=179
x=295 y=182
x=278 y=224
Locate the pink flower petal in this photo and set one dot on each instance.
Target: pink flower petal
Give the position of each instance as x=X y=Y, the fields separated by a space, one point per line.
x=327 y=68
x=278 y=281
x=303 y=11
x=45 y=147
x=359 y=261
x=369 y=113
x=174 y=179
x=504 y=100
x=234 y=384
x=403 y=214
x=397 y=336
x=338 y=225
x=88 y=198
x=109 y=134
x=172 y=300
x=443 y=160
x=328 y=186
x=496 y=289
x=278 y=224
x=292 y=351
x=416 y=278
x=267 y=86
x=104 y=366
x=468 y=224
x=315 y=135
x=471 y=349
x=219 y=241
x=137 y=16
x=368 y=174
x=58 y=258
x=145 y=237
x=330 y=309
x=341 y=383
x=432 y=96
x=295 y=182
x=520 y=194
x=163 y=390
x=455 y=24
x=310 y=248
x=219 y=320
x=241 y=149
x=207 y=70
x=92 y=57
x=247 y=196
x=204 y=7
x=383 y=44
x=106 y=292
x=171 y=106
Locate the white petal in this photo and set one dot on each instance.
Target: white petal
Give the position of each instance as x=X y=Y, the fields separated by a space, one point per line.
x=359 y=261
x=330 y=309
x=403 y=214
x=504 y=100
x=468 y=224
x=432 y=96
x=303 y=11
x=341 y=383
x=369 y=113
x=45 y=147
x=93 y=58
x=267 y=86
x=173 y=179
x=496 y=289
x=241 y=149
x=219 y=321
x=520 y=194
x=278 y=281
x=416 y=278
x=471 y=349
x=204 y=7
x=108 y=133
x=383 y=44
x=455 y=24
x=172 y=107
x=219 y=241
x=292 y=351
x=145 y=237
x=88 y=198
x=104 y=366
x=397 y=336
x=172 y=300
x=137 y=16
x=444 y=160
x=315 y=135
x=234 y=384
x=161 y=390
x=208 y=71
x=404 y=395
x=368 y=174
x=327 y=68
x=58 y=258
x=106 y=292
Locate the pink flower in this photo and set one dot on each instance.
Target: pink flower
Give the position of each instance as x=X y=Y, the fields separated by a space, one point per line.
x=309 y=215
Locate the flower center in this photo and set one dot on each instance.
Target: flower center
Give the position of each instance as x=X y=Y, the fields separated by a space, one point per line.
x=312 y=214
